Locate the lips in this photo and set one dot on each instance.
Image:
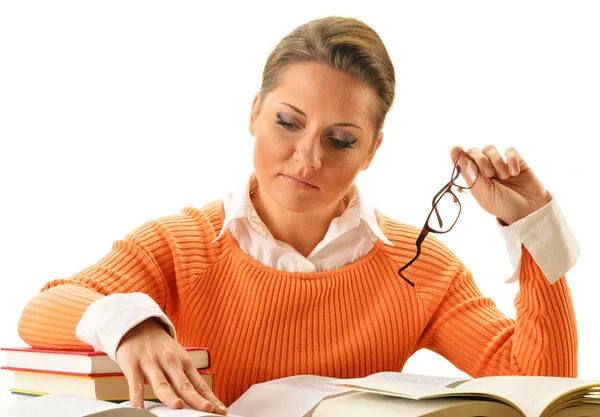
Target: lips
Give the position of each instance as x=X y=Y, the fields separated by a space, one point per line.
x=300 y=178
x=299 y=181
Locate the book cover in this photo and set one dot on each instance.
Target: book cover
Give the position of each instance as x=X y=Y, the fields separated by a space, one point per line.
x=80 y=362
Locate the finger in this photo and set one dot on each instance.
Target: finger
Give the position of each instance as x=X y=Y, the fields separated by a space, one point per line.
x=204 y=390
x=468 y=168
x=161 y=386
x=135 y=382
x=483 y=163
x=516 y=164
x=455 y=152
x=500 y=166
x=186 y=390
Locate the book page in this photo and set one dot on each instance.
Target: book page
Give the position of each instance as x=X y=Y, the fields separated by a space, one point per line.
x=361 y=404
x=60 y=405
x=438 y=381
x=530 y=393
x=63 y=405
x=162 y=410
x=410 y=390
x=294 y=396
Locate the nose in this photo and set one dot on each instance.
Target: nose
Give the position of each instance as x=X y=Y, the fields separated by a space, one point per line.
x=308 y=152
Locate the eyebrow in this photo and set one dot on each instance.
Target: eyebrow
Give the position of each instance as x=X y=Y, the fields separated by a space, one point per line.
x=343 y=124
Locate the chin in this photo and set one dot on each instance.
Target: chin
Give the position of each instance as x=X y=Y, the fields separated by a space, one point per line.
x=294 y=200
x=294 y=203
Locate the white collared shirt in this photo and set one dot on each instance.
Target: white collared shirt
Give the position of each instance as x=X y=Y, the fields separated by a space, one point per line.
x=545 y=234
x=349 y=237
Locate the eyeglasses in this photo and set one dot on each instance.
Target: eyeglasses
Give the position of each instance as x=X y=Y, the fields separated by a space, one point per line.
x=445 y=207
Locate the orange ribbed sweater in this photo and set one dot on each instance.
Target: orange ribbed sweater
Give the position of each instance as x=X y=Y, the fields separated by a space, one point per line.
x=261 y=323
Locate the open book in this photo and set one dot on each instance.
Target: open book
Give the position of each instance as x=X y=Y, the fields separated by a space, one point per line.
x=64 y=405
x=382 y=395
x=387 y=394
x=393 y=394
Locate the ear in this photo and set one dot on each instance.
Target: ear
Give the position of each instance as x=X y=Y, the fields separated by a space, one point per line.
x=254 y=113
x=372 y=154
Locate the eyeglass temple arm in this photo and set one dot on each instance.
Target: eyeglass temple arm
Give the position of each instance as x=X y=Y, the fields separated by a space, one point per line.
x=426 y=229
x=420 y=240
x=435 y=198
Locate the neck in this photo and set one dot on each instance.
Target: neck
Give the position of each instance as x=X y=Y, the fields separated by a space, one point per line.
x=302 y=231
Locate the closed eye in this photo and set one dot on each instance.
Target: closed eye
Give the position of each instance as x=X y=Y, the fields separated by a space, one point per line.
x=335 y=143
x=284 y=123
x=341 y=144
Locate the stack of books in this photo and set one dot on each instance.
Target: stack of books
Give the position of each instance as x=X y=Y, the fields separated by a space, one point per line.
x=83 y=373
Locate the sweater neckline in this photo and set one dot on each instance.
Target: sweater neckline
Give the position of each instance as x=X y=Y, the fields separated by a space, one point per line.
x=244 y=257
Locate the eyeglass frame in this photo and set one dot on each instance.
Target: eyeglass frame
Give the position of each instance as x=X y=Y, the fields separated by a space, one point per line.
x=436 y=199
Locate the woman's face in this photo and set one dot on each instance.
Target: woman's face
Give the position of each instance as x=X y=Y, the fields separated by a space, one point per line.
x=314 y=134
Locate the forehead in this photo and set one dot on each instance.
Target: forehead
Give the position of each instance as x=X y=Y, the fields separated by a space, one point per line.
x=318 y=89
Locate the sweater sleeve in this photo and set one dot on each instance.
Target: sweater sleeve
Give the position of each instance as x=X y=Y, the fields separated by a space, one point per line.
x=468 y=330
x=143 y=262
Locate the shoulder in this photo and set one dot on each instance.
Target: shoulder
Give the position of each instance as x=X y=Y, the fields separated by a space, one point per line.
x=208 y=217
x=404 y=237
x=190 y=224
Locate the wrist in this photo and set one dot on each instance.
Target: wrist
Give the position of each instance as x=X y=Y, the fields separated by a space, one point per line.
x=530 y=209
x=149 y=326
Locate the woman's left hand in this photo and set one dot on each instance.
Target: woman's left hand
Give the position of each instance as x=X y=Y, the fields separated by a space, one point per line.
x=506 y=188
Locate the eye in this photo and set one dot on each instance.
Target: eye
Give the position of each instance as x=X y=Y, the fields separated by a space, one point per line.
x=282 y=122
x=342 y=144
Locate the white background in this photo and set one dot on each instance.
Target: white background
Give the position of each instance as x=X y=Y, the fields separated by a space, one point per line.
x=113 y=113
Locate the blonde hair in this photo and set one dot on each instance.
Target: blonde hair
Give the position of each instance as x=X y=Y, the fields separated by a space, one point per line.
x=345 y=44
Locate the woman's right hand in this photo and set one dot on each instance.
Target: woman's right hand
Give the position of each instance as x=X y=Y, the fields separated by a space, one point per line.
x=148 y=354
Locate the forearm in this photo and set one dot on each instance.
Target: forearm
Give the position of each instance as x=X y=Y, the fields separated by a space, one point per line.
x=475 y=336
x=545 y=337
x=50 y=319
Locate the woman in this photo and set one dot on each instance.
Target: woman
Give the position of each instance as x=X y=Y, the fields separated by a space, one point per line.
x=294 y=275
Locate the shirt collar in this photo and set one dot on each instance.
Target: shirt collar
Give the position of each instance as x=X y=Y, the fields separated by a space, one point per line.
x=368 y=214
x=238 y=205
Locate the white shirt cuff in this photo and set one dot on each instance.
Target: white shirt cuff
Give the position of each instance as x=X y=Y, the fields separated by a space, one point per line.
x=547 y=237
x=108 y=319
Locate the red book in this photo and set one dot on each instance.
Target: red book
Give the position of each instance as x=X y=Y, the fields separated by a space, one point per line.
x=77 y=362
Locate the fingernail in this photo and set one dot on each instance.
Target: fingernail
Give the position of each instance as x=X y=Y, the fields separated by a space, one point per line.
x=513 y=171
x=221 y=408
